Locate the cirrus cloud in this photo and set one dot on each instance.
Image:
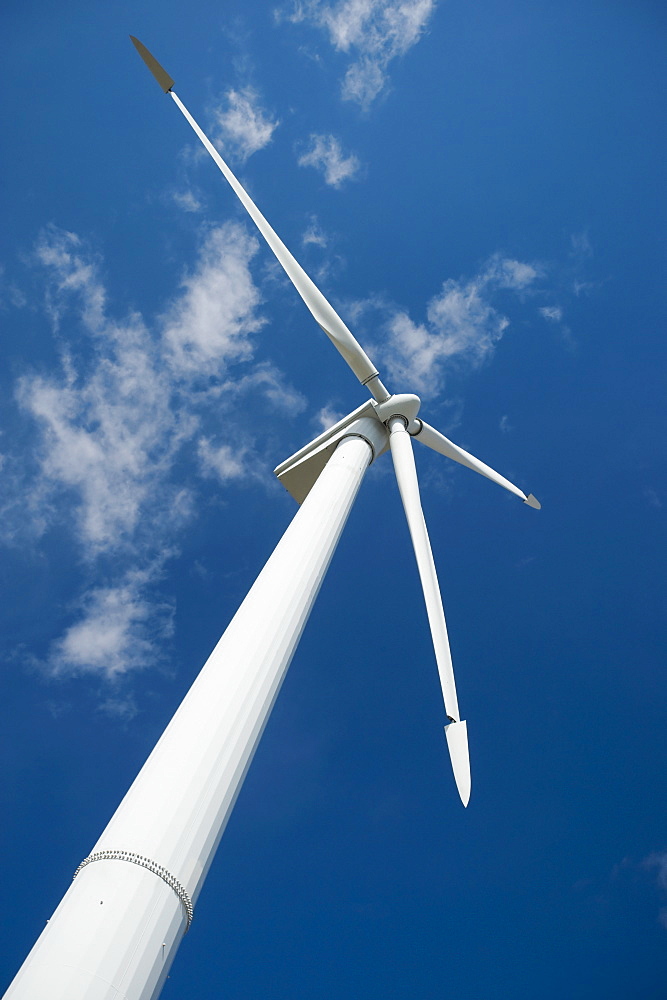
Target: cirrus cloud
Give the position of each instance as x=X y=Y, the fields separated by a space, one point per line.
x=241 y=125
x=372 y=32
x=462 y=325
x=325 y=153
x=107 y=432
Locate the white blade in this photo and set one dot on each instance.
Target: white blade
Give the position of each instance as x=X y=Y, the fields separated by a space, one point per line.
x=322 y=310
x=438 y=442
x=406 y=474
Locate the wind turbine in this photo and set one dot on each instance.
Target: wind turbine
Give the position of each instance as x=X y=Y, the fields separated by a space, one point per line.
x=117 y=928
x=398 y=413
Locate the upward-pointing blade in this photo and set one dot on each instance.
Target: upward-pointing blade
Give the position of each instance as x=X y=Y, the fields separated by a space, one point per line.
x=406 y=474
x=438 y=442
x=322 y=310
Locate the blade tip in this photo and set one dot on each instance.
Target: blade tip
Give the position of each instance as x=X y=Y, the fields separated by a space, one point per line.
x=160 y=74
x=533 y=502
x=457 y=743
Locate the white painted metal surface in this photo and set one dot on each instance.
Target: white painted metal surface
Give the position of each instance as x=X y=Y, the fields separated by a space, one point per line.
x=299 y=473
x=457 y=743
x=406 y=474
x=117 y=929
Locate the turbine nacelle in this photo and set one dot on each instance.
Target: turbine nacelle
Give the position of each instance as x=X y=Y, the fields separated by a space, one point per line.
x=404 y=405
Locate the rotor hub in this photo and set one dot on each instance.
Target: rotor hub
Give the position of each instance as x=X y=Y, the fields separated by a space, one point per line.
x=405 y=405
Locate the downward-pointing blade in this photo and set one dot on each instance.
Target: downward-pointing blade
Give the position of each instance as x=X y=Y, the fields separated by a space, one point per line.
x=406 y=474
x=438 y=442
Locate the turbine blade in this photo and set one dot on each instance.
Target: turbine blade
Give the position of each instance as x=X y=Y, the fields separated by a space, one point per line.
x=457 y=742
x=438 y=442
x=406 y=474
x=160 y=75
x=320 y=308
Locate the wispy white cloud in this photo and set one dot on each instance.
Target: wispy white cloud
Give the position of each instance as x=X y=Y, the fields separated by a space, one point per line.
x=581 y=246
x=111 y=426
x=581 y=253
x=652 y=497
x=210 y=323
x=658 y=862
x=505 y=272
x=225 y=461
x=372 y=32
x=268 y=381
x=187 y=201
x=326 y=417
x=10 y=293
x=462 y=326
x=116 y=632
x=552 y=313
x=241 y=125
x=329 y=265
x=106 y=450
x=314 y=234
x=71 y=271
x=325 y=153
x=107 y=431
x=122 y=708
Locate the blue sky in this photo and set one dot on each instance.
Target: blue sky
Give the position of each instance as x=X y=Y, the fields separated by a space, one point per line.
x=479 y=190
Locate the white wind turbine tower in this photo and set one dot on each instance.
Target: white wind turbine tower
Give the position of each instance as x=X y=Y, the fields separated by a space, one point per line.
x=117 y=929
